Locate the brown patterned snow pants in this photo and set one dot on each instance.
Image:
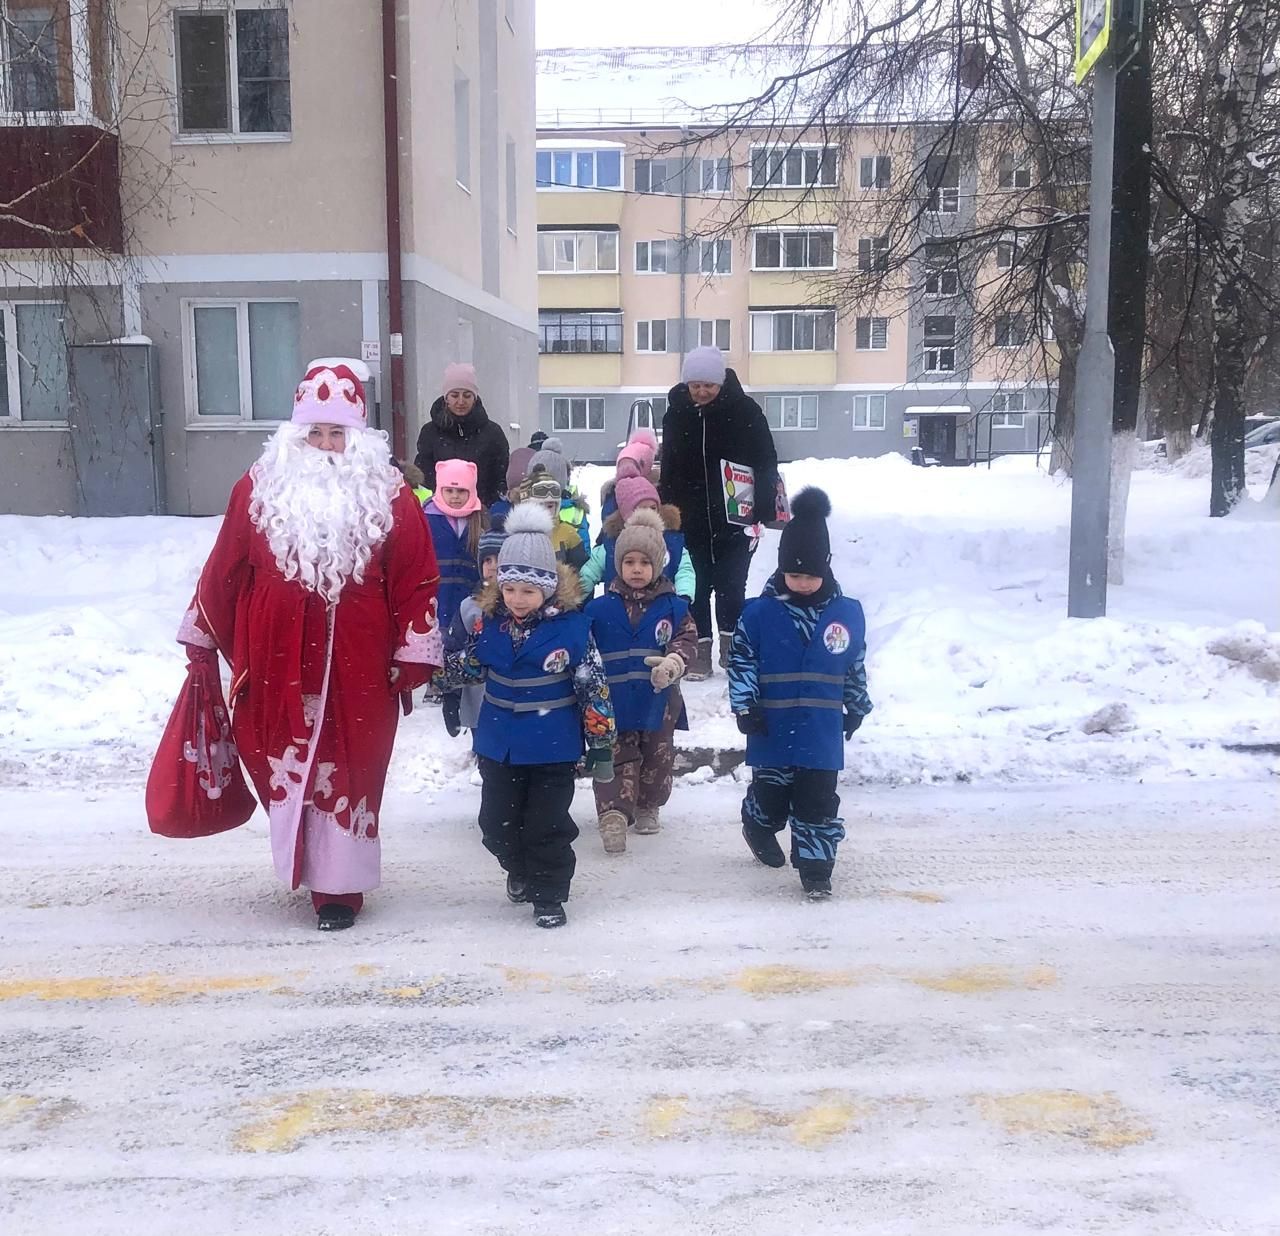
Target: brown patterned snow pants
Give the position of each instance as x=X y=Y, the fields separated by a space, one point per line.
x=642 y=761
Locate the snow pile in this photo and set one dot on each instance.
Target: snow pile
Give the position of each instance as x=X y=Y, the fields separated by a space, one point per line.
x=975 y=671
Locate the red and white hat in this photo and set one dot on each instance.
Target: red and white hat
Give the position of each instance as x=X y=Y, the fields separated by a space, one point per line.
x=330 y=395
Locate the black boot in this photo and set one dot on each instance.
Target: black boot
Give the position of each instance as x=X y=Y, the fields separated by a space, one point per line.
x=816 y=888
x=334 y=917
x=517 y=892
x=549 y=914
x=764 y=844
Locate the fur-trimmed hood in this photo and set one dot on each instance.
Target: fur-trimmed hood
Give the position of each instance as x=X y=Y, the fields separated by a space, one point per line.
x=670 y=521
x=567 y=596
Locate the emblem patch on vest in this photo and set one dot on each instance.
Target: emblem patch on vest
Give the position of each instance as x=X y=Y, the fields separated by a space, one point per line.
x=557 y=662
x=662 y=633
x=836 y=638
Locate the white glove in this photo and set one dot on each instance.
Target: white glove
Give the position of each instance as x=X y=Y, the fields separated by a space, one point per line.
x=663 y=671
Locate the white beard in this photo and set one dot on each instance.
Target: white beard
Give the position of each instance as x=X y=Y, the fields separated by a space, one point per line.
x=323 y=514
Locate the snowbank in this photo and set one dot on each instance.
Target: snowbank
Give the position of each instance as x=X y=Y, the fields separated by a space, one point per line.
x=975 y=671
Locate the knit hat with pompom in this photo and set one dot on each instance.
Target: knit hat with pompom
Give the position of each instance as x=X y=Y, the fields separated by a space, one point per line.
x=642 y=533
x=641 y=449
x=550 y=458
x=527 y=555
x=805 y=548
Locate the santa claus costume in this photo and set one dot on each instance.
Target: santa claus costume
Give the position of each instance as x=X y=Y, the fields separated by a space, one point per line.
x=320 y=593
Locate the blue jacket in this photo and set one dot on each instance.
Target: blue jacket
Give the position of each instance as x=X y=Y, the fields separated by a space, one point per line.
x=459 y=572
x=530 y=713
x=623 y=647
x=803 y=664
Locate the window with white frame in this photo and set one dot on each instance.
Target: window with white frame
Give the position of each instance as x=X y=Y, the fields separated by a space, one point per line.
x=659 y=175
x=713 y=333
x=791 y=411
x=577 y=414
x=941 y=268
x=657 y=257
x=651 y=335
x=715 y=257
x=579 y=331
x=578 y=169
x=939 y=344
x=34 y=383
x=873 y=253
x=233 y=70
x=871 y=334
x=647 y=412
x=243 y=358
x=793 y=166
x=35 y=56
x=1008 y=409
x=793 y=330
x=1012 y=251
x=942 y=175
x=1014 y=171
x=868 y=411
x=715 y=175
x=810 y=249
x=577 y=253
x=874 y=171
x=1012 y=330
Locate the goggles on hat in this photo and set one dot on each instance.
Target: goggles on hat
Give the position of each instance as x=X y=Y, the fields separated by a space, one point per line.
x=544 y=490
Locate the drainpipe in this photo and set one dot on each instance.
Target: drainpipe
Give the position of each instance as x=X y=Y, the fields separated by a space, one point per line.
x=684 y=239
x=391 y=161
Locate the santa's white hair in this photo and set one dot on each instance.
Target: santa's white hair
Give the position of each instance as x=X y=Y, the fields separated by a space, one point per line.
x=324 y=513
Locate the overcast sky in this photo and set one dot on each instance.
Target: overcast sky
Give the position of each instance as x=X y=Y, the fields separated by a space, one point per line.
x=651 y=23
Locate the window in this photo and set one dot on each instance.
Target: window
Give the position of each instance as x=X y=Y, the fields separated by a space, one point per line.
x=35 y=48
x=793 y=167
x=941 y=269
x=1013 y=330
x=578 y=169
x=807 y=250
x=716 y=176
x=579 y=332
x=34 y=385
x=798 y=330
x=714 y=333
x=657 y=257
x=874 y=172
x=791 y=411
x=233 y=75
x=873 y=253
x=942 y=175
x=577 y=413
x=243 y=358
x=871 y=334
x=1008 y=409
x=513 y=187
x=715 y=257
x=1014 y=172
x=647 y=412
x=651 y=336
x=659 y=175
x=570 y=253
x=940 y=344
x=462 y=131
x=868 y=411
x=1011 y=252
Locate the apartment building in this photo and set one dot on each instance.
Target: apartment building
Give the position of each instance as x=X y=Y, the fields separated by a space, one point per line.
x=652 y=241
x=197 y=204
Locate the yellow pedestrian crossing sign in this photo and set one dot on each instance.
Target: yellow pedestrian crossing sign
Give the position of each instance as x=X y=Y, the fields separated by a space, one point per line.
x=1093 y=34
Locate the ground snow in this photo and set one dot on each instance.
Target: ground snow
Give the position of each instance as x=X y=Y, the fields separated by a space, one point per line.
x=975 y=672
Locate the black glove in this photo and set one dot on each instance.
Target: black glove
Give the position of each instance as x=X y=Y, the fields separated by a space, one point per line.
x=451 y=707
x=851 y=722
x=752 y=721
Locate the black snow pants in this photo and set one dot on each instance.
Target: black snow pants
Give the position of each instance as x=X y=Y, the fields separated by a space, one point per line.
x=806 y=799
x=726 y=576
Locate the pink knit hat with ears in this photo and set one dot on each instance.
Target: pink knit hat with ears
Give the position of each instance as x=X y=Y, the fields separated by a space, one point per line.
x=641 y=449
x=460 y=474
x=330 y=396
x=459 y=377
x=631 y=491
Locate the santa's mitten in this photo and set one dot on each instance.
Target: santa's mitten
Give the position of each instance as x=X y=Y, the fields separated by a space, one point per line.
x=410 y=675
x=197 y=655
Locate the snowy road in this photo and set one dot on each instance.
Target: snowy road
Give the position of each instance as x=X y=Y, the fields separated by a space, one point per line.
x=1026 y=1011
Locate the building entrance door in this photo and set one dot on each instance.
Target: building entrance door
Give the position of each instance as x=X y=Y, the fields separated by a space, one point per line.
x=938 y=438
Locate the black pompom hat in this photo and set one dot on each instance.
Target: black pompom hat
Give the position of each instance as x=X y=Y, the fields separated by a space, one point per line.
x=805 y=548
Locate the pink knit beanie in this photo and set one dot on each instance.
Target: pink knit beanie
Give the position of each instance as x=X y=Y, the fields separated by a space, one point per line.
x=460 y=474
x=641 y=449
x=631 y=491
x=459 y=377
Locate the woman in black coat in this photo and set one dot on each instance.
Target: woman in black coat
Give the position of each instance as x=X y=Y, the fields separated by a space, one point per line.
x=460 y=428
x=711 y=418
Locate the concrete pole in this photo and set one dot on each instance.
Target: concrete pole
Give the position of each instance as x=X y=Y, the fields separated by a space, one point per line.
x=1095 y=389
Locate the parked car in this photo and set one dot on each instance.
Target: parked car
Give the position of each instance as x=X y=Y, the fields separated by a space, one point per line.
x=1263 y=435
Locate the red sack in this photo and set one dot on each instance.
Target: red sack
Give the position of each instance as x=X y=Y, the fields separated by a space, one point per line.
x=196 y=787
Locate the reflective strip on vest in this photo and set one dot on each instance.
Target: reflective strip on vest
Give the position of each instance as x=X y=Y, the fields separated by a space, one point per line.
x=803 y=702
x=544 y=681
x=833 y=679
x=627 y=653
x=633 y=676
x=534 y=706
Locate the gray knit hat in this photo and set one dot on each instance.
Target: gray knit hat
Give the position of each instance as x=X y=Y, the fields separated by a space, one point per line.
x=703 y=365
x=550 y=458
x=642 y=534
x=527 y=555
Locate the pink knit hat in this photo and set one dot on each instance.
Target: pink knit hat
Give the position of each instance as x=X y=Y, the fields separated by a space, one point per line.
x=330 y=396
x=459 y=377
x=641 y=449
x=631 y=491
x=460 y=474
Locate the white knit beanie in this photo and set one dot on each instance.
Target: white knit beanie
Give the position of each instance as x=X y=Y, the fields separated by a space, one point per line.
x=704 y=365
x=527 y=555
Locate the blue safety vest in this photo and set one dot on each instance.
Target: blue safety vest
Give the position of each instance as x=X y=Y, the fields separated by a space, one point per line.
x=636 y=705
x=459 y=574
x=530 y=714
x=802 y=685
x=675 y=551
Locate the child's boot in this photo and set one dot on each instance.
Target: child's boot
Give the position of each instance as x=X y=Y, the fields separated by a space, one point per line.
x=764 y=844
x=549 y=914
x=647 y=821
x=613 y=831
x=815 y=878
x=517 y=892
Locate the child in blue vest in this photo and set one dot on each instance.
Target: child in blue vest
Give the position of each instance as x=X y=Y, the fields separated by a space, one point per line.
x=461 y=708
x=544 y=692
x=798 y=689
x=632 y=494
x=456 y=522
x=646 y=638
